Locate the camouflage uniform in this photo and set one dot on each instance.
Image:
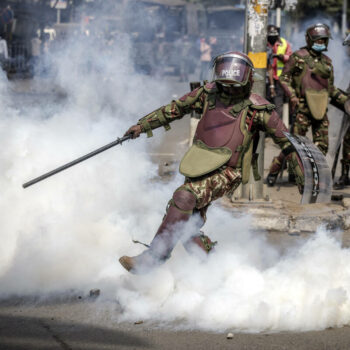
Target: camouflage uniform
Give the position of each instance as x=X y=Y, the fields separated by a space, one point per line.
x=225 y=179
x=344 y=178
x=345 y=162
x=293 y=80
x=220 y=157
x=307 y=71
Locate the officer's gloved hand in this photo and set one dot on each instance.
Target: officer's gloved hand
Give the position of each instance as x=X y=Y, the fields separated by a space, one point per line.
x=347 y=106
x=134 y=130
x=296 y=166
x=280 y=57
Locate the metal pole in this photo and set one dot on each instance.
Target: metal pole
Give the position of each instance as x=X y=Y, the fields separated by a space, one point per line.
x=278 y=16
x=285 y=111
x=255 y=42
x=245 y=43
x=344 y=18
x=119 y=141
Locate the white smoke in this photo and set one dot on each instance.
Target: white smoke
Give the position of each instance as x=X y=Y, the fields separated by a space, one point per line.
x=290 y=4
x=68 y=231
x=246 y=285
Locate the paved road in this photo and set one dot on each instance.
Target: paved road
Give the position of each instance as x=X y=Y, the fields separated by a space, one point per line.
x=88 y=325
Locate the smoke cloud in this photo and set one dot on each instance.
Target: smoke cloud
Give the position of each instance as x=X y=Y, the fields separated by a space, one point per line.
x=67 y=232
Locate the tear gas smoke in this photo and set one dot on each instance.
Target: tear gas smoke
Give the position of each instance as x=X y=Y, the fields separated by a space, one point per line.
x=290 y=4
x=68 y=232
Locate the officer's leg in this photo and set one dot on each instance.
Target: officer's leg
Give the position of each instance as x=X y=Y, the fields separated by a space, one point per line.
x=198 y=240
x=345 y=163
x=301 y=124
x=320 y=134
x=206 y=191
x=195 y=193
x=179 y=210
x=300 y=127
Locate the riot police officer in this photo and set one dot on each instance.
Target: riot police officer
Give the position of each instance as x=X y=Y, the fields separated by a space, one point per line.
x=221 y=155
x=308 y=81
x=345 y=162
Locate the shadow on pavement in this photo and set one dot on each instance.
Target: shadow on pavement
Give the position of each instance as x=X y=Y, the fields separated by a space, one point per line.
x=31 y=333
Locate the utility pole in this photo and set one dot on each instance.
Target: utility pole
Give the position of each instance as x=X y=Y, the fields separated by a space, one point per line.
x=279 y=5
x=255 y=42
x=344 y=19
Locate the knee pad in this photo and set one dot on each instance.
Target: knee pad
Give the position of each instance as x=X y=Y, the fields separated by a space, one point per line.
x=184 y=200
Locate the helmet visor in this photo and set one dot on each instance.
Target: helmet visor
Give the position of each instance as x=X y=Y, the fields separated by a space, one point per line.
x=231 y=70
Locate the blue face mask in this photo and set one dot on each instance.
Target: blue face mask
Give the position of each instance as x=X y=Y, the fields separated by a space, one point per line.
x=319 y=47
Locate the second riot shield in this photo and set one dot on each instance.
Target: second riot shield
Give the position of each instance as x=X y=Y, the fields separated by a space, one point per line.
x=318 y=179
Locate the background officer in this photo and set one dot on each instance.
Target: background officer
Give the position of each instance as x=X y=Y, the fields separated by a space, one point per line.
x=308 y=81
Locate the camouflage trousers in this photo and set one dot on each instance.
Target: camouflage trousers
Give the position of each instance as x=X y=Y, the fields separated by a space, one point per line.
x=319 y=129
x=346 y=147
x=212 y=186
x=346 y=143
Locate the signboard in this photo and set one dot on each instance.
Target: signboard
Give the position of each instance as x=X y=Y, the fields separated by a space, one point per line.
x=59 y=4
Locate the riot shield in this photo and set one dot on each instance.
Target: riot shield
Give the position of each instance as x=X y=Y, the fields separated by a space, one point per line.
x=318 y=179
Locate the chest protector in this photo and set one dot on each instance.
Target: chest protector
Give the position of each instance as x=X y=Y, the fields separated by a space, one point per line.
x=220 y=139
x=313 y=84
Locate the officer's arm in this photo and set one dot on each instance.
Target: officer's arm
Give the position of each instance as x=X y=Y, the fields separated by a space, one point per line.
x=273 y=125
x=339 y=98
x=176 y=109
x=286 y=77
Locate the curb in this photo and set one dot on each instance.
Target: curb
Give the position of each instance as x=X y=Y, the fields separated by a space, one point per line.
x=290 y=217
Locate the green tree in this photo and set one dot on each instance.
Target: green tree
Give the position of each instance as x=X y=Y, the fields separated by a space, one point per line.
x=306 y=8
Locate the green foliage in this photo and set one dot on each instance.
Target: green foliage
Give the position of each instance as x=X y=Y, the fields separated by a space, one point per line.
x=207 y=3
x=306 y=8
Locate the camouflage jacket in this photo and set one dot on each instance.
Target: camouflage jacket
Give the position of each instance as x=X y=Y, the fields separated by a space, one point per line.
x=249 y=116
x=306 y=69
x=258 y=118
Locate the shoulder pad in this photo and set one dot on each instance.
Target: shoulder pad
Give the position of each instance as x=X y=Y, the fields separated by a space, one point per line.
x=260 y=102
x=328 y=59
x=210 y=87
x=302 y=52
x=192 y=94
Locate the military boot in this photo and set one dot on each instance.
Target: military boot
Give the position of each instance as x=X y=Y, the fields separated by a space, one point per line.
x=180 y=210
x=275 y=169
x=291 y=178
x=344 y=178
x=201 y=241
